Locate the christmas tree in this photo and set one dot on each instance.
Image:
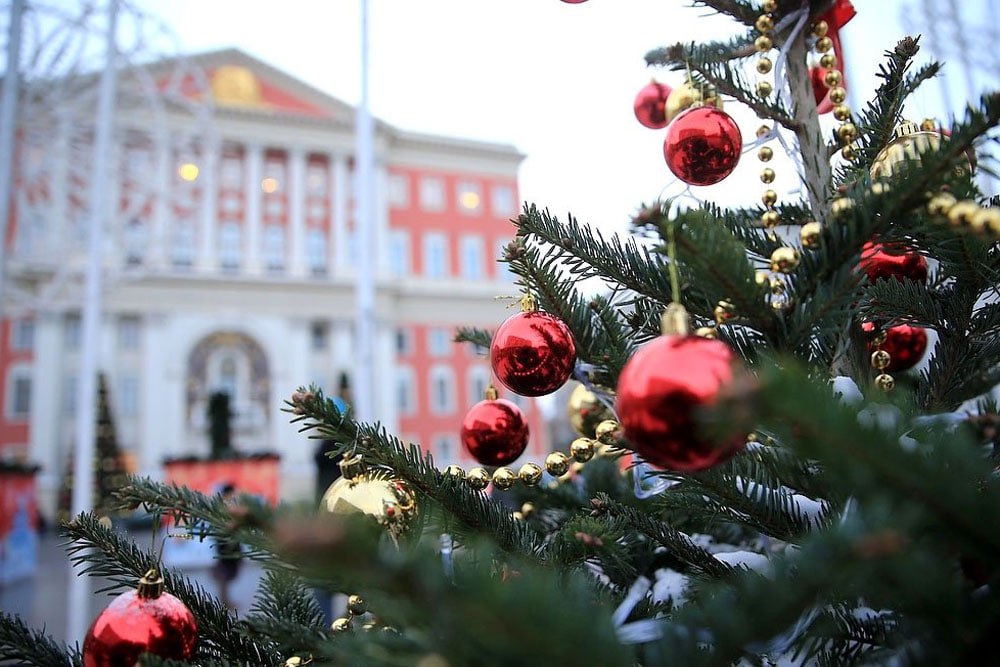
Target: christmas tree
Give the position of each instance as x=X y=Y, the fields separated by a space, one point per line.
x=766 y=473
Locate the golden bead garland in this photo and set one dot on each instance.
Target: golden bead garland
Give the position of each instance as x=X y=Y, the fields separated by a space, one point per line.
x=847 y=132
x=880 y=362
x=356 y=607
x=965 y=214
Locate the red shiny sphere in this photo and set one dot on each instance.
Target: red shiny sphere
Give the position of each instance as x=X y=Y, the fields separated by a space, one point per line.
x=702 y=145
x=821 y=91
x=133 y=625
x=494 y=432
x=650 y=105
x=659 y=390
x=905 y=344
x=532 y=353
x=880 y=262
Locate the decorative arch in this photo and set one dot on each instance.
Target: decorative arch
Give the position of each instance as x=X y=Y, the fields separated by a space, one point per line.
x=235 y=363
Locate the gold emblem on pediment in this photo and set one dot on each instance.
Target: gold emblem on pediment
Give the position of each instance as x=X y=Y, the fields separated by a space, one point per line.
x=233 y=85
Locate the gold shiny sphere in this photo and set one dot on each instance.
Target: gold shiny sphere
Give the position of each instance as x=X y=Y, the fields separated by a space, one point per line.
x=582 y=449
x=556 y=464
x=477 y=479
x=341 y=625
x=881 y=359
x=763 y=43
x=838 y=95
x=764 y=23
x=885 y=382
x=504 y=478
x=586 y=411
x=781 y=305
x=784 y=259
x=811 y=234
x=607 y=432
x=828 y=61
x=833 y=78
x=824 y=44
x=847 y=132
x=841 y=206
x=765 y=154
x=847 y=152
x=940 y=204
x=707 y=332
x=389 y=501
x=517 y=515
x=527 y=509
x=763 y=130
x=879 y=188
x=356 y=605
x=764 y=65
x=770 y=219
x=297 y=661
x=764 y=88
x=724 y=312
x=455 y=471
x=530 y=474
x=987 y=220
x=767 y=175
x=769 y=197
x=820 y=28
x=762 y=277
x=687 y=95
x=842 y=112
x=879 y=338
x=960 y=215
x=769 y=6
x=778 y=287
x=929 y=125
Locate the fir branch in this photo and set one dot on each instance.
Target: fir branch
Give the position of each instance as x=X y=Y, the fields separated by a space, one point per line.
x=283 y=595
x=21 y=645
x=103 y=553
x=478 y=337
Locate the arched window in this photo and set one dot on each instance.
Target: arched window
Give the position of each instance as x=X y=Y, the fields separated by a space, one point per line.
x=406 y=391
x=477 y=380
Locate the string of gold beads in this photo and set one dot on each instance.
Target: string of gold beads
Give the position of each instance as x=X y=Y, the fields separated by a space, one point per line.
x=763 y=44
x=880 y=362
x=557 y=464
x=847 y=132
x=965 y=214
x=356 y=606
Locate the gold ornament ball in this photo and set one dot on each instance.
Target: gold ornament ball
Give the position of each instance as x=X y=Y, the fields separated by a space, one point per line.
x=828 y=61
x=607 y=431
x=504 y=478
x=881 y=359
x=686 y=96
x=356 y=605
x=556 y=464
x=784 y=259
x=389 y=501
x=811 y=234
x=724 y=312
x=820 y=28
x=530 y=474
x=770 y=219
x=764 y=23
x=987 y=220
x=847 y=152
x=841 y=112
x=585 y=411
x=879 y=188
x=767 y=175
x=527 y=509
x=763 y=43
x=769 y=197
x=832 y=78
x=297 y=661
x=517 y=516
x=824 y=44
x=841 y=206
x=765 y=154
x=764 y=65
x=763 y=130
x=909 y=142
x=341 y=625
x=707 y=332
x=455 y=471
x=885 y=382
x=847 y=132
x=960 y=215
x=769 y=6
x=764 y=88
x=582 y=449
x=939 y=205
x=477 y=479
x=762 y=277
x=838 y=95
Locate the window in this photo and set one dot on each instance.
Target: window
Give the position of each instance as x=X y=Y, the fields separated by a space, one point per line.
x=470 y=197
x=406 y=395
x=274 y=207
x=404 y=342
x=230 y=245
x=319 y=334
x=316 y=179
x=231 y=204
x=399 y=190
x=316 y=210
x=274 y=247
x=69 y=395
x=232 y=172
x=72 y=332
x=503 y=269
x=435 y=255
x=129 y=332
x=399 y=252
x=442 y=381
x=316 y=251
x=128 y=396
x=183 y=250
x=136 y=239
x=502 y=201
x=431 y=193
x=439 y=342
x=274 y=176
x=22 y=334
x=19 y=392
x=472 y=258
x=445 y=449
x=478 y=380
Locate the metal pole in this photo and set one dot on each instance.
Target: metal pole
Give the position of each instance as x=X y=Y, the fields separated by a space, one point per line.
x=8 y=117
x=364 y=194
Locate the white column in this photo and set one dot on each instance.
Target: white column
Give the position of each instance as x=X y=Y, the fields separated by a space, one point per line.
x=340 y=195
x=385 y=371
x=254 y=173
x=297 y=210
x=208 y=257
x=46 y=401
x=153 y=392
x=158 y=254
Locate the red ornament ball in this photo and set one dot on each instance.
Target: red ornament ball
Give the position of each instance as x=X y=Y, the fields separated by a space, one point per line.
x=532 y=353
x=702 y=145
x=146 y=620
x=651 y=105
x=880 y=262
x=494 y=432
x=905 y=344
x=659 y=390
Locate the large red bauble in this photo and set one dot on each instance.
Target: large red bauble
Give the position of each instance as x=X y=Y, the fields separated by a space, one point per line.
x=651 y=105
x=134 y=624
x=880 y=262
x=532 y=353
x=494 y=432
x=659 y=390
x=905 y=344
x=702 y=145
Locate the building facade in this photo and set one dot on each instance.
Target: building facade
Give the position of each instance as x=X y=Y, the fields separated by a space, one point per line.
x=229 y=265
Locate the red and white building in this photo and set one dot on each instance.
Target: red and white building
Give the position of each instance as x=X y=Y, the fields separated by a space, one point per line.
x=229 y=264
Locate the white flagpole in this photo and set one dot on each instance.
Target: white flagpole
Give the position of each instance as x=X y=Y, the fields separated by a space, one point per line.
x=8 y=118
